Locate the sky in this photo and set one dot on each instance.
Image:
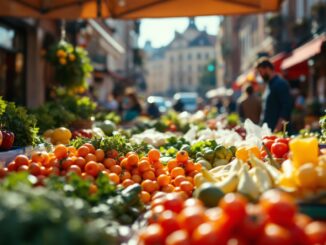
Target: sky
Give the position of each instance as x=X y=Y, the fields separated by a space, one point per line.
x=161 y=31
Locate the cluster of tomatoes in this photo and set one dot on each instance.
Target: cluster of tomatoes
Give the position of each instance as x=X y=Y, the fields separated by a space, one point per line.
x=173 y=220
x=279 y=147
x=88 y=162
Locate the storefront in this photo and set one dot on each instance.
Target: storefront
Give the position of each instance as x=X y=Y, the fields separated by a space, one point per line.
x=12 y=62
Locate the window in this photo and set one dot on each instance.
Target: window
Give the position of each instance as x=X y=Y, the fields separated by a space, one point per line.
x=207 y=56
x=189 y=56
x=199 y=56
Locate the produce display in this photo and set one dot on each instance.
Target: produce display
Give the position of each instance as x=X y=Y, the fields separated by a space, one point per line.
x=181 y=179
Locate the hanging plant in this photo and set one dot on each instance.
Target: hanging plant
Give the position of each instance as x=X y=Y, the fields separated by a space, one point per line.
x=72 y=65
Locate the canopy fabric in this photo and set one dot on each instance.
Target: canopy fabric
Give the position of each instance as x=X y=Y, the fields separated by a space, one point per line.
x=132 y=9
x=304 y=52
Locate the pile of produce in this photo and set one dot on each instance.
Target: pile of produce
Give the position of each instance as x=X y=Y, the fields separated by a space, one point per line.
x=273 y=220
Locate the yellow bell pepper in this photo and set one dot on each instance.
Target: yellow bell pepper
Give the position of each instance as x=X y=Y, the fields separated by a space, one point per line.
x=304 y=150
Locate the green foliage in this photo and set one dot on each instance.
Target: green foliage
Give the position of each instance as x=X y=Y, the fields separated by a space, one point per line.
x=63 y=111
x=15 y=119
x=72 y=65
x=116 y=142
x=111 y=116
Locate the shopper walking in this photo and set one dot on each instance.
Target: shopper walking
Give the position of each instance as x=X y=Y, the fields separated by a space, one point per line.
x=249 y=105
x=277 y=102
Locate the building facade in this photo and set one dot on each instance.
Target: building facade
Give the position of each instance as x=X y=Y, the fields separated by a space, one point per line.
x=180 y=65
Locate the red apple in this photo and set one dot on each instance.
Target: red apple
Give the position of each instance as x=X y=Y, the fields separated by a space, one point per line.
x=7 y=140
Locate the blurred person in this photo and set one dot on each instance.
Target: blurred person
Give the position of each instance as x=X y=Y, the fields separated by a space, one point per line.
x=219 y=106
x=153 y=110
x=249 y=105
x=178 y=106
x=111 y=104
x=131 y=107
x=277 y=102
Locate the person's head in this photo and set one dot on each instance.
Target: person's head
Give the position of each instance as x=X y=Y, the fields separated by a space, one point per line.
x=249 y=89
x=265 y=69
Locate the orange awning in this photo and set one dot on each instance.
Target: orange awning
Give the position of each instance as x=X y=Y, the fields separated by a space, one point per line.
x=132 y=9
x=304 y=52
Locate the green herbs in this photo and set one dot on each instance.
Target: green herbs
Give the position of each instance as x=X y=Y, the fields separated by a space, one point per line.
x=15 y=119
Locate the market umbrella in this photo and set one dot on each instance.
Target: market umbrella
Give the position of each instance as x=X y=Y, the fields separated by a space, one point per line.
x=132 y=9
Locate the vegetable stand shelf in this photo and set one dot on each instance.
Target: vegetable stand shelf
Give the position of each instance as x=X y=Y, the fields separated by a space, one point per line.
x=8 y=156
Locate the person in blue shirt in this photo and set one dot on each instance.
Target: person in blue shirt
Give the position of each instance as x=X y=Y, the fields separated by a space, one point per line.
x=277 y=101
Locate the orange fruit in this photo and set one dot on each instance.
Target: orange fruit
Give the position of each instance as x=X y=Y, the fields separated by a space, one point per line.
x=21 y=160
x=112 y=153
x=143 y=166
x=80 y=162
x=182 y=156
x=35 y=168
x=72 y=151
x=124 y=163
x=136 y=178
x=74 y=169
x=92 y=168
x=135 y=171
x=125 y=175
x=116 y=169
x=60 y=151
x=12 y=166
x=88 y=177
x=127 y=182
x=154 y=155
x=177 y=171
x=172 y=164
x=114 y=178
x=163 y=180
x=197 y=166
x=37 y=157
x=178 y=237
x=190 y=166
x=90 y=157
x=152 y=234
x=66 y=163
x=148 y=185
x=157 y=165
x=109 y=162
x=186 y=186
x=168 y=188
x=160 y=171
x=149 y=175
x=179 y=179
x=100 y=155
x=132 y=160
x=83 y=151
x=101 y=166
x=90 y=147
x=145 y=197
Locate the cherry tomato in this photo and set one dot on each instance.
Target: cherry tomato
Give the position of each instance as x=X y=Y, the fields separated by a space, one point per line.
x=268 y=143
x=207 y=233
x=279 y=149
x=298 y=235
x=191 y=217
x=316 y=232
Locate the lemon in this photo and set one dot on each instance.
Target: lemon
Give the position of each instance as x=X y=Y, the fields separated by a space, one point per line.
x=61 y=134
x=306 y=176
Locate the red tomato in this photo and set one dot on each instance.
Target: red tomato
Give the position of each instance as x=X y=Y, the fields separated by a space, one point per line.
x=179 y=237
x=270 y=137
x=191 y=217
x=254 y=223
x=234 y=205
x=268 y=143
x=263 y=154
x=316 y=231
x=207 y=234
x=152 y=234
x=173 y=203
x=35 y=168
x=283 y=140
x=279 y=207
x=298 y=235
x=168 y=221
x=237 y=240
x=279 y=149
x=275 y=235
